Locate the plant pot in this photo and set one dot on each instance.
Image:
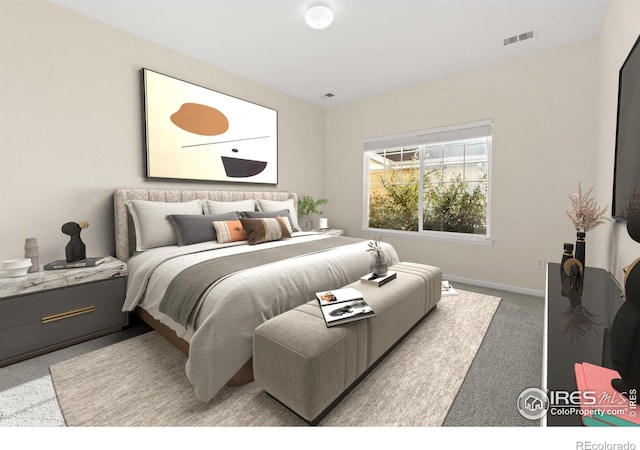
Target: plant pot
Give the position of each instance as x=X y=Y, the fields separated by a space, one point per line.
x=306 y=223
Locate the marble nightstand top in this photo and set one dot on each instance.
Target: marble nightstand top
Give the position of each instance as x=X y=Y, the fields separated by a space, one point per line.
x=50 y=279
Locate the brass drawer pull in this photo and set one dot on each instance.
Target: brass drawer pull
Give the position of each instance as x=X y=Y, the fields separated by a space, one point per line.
x=66 y=315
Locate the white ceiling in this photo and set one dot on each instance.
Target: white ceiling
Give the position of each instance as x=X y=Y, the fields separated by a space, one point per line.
x=373 y=46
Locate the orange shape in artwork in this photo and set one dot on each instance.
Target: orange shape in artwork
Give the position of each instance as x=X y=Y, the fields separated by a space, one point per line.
x=200 y=119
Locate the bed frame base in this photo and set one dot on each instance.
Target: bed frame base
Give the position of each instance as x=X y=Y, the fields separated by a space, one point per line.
x=243 y=376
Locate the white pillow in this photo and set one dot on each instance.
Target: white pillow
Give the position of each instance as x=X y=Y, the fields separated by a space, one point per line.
x=153 y=229
x=277 y=205
x=214 y=207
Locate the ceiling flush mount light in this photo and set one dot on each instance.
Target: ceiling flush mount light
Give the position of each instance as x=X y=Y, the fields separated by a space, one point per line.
x=319 y=16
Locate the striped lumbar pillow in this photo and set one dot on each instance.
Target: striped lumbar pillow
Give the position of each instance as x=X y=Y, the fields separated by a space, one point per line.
x=266 y=229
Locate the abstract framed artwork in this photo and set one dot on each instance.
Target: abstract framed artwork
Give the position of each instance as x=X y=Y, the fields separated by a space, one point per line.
x=194 y=133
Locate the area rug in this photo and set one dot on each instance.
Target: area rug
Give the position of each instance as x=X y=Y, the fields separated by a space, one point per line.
x=141 y=381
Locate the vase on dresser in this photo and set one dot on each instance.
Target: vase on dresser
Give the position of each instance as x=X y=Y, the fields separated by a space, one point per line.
x=580 y=247
x=32 y=252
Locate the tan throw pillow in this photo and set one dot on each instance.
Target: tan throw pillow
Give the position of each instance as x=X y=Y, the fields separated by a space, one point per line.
x=287 y=224
x=265 y=230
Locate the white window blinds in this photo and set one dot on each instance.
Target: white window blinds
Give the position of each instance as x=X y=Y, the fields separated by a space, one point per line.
x=460 y=132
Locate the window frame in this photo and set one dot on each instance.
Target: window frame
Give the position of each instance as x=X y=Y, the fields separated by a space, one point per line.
x=411 y=139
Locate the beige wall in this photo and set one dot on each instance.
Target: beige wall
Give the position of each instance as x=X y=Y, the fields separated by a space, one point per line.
x=621 y=29
x=72 y=129
x=544 y=111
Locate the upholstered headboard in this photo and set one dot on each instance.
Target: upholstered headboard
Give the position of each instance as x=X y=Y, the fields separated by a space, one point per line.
x=124 y=228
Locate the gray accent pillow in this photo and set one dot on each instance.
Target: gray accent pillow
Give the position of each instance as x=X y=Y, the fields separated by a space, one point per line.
x=192 y=229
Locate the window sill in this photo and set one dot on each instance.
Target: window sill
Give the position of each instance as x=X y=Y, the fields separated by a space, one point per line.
x=440 y=236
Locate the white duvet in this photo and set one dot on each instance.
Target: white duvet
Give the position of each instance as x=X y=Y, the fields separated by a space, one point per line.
x=221 y=335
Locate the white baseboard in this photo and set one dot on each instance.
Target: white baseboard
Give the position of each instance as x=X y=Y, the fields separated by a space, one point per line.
x=492 y=285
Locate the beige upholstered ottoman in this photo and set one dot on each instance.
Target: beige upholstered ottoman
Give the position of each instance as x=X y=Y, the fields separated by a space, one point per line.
x=309 y=367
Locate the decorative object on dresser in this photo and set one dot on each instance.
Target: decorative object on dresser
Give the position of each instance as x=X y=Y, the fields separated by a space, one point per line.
x=308 y=208
x=32 y=252
x=215 y=137
x=16 y=267
x=567 y=254
x=75 y=249
x=47 y=310
x=585 y=215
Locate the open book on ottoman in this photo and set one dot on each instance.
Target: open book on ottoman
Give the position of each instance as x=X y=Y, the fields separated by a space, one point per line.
x=343 y=305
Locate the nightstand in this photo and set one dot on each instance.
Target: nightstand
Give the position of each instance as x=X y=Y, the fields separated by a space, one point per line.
x=331 y=231
x=47 y=310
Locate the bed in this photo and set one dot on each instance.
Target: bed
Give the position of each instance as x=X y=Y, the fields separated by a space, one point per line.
x=207 y=295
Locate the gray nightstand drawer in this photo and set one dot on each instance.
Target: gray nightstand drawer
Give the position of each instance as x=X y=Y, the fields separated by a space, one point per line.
x=25 y=309
x=37 y=338
x=33 y=324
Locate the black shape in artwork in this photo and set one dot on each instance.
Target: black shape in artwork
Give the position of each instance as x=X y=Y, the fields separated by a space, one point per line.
x=242 y=168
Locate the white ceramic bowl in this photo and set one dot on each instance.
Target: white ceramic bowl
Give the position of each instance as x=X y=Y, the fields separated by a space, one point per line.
x=16 y=267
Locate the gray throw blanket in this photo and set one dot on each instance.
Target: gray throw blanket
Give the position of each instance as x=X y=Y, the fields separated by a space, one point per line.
x=184 y=292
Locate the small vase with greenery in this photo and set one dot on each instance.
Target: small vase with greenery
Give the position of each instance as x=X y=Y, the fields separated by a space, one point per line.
x=307 y=209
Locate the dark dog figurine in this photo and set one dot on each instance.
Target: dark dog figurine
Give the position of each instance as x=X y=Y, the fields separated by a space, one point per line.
x=75 y=249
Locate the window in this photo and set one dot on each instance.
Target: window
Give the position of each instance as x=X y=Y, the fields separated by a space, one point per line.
x=434 y=182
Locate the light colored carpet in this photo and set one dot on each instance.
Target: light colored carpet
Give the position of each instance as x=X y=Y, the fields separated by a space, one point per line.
x=141 y=381
x=32 y=404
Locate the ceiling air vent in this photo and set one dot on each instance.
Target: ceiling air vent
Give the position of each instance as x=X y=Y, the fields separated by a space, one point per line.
x=511 y=40
x=520 y=37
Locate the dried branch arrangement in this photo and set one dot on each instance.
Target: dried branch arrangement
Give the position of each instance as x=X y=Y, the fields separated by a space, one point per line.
x=586 y=214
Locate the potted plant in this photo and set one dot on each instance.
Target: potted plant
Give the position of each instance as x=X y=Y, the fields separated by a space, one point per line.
x=307 y=208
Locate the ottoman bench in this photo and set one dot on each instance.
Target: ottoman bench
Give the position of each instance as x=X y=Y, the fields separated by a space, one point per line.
x=309 y=367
